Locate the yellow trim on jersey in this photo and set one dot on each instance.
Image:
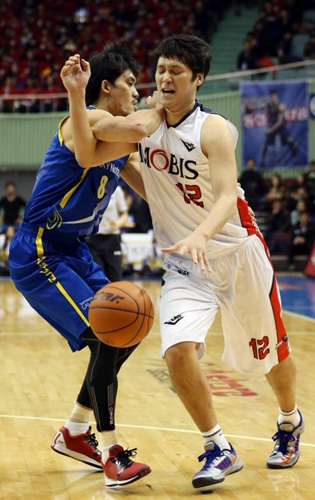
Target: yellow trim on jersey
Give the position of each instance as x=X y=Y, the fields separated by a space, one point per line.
x=67 y=196
x=56 y=221
x=59 y=130
x=71 y=301
x=45 y=270
x=39 y=243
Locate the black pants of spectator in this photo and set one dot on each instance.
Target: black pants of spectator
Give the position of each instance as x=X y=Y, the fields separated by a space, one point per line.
x=302 y=249
x=106 y=251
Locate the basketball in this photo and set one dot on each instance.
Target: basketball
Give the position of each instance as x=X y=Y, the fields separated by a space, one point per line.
x=121 y=314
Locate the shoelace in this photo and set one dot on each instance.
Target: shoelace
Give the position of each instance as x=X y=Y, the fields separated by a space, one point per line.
x=91 y=439
x=124 y=455
x=283 y=438
x=210 y=457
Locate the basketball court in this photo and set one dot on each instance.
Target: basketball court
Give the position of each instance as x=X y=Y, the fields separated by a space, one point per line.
x=40 y=380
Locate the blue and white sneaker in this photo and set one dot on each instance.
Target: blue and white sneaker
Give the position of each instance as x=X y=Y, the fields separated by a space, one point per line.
x=219 y=463
x=286 y=451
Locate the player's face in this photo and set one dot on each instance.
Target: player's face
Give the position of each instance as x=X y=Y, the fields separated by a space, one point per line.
x=123 y=95
x=175 y=84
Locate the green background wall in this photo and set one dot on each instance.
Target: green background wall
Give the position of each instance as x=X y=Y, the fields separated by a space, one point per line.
x=24 y=139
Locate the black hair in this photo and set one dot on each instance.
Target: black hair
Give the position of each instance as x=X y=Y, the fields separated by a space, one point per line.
x=108 y=65
x=188 y=49
x=10 y=183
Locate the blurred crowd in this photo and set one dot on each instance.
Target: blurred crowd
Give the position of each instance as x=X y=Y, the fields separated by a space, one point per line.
x=36 y=38
x=283 y=33
x=285 y=210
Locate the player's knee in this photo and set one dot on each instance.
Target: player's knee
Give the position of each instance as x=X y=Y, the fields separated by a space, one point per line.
x=180 y=355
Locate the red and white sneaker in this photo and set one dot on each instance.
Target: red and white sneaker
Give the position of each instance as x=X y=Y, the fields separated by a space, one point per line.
x=82 y=447
x=120 y=470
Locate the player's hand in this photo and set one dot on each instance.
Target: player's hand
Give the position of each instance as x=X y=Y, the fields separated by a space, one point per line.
x=196 y=246
x=75 y=73
x=114 y=224
x=153 y=101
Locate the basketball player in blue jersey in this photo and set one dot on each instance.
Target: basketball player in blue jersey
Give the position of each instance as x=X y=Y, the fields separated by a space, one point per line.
x=216 y=258
x=52 y=266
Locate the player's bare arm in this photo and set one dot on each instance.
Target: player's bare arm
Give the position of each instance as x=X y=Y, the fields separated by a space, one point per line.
x=218 y=146
x=131 y=128
x=132 y=175
x=94 y=152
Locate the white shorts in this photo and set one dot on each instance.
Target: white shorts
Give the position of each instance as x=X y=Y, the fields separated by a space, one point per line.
x=244 y=287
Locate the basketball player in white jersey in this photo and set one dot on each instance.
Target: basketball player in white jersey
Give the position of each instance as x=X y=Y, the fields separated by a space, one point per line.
x=216 y=259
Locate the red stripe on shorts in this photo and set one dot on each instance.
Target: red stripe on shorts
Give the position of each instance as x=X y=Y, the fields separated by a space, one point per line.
x=249 y=225
x=283 y=347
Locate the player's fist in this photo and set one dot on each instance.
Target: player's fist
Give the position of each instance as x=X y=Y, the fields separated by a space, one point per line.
x=75 y=73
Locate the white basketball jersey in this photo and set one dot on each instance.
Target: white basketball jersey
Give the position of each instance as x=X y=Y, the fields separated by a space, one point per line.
x=177 y=181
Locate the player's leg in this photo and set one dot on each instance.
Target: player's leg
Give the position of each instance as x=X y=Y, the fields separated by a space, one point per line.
x=286 y=139
x=290 y=423
x=60 y=287
x=50 y=281
x=269 y=141
x=259 y=344
x=187 y=311
x=101 y=385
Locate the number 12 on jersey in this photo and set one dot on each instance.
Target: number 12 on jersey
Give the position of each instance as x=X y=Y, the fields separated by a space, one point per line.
x=191 y=193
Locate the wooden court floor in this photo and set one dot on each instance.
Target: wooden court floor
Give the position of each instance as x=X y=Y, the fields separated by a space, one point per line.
x=40 y=379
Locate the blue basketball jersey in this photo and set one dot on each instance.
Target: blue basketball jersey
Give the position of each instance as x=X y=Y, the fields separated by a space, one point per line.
x=49 y=263
x=68 y=201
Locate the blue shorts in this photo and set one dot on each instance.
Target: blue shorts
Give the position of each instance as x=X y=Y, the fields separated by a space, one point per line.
x=58 y=280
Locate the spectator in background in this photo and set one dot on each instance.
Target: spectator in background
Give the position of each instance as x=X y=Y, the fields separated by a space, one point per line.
x=5 y=243
x=276 y=191
x=105 y=245
x=278 y=230
x=298 y=191
x=253 y=184
x=302 y=239
x=141 y=214
x=310 y=184
x=309 y=49
x=11 y=206
x=300 y=208
x=246 y=58
x=8 y=89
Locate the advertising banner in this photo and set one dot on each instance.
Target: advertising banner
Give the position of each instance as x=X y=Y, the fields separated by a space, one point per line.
x=275 y=123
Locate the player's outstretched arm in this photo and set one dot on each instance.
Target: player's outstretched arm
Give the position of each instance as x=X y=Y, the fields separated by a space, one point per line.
x=131 y=128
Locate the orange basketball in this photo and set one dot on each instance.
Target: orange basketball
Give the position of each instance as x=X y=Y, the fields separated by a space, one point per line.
x=121 y=314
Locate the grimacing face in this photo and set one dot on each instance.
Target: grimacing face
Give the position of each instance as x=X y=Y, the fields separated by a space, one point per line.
x=175 y=83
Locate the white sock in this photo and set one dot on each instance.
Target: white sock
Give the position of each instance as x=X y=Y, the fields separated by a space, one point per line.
x=76 y=428
x=79 y=420
x=108 y=439
x=216 y=435
x=293 y=417
x=81 y=414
